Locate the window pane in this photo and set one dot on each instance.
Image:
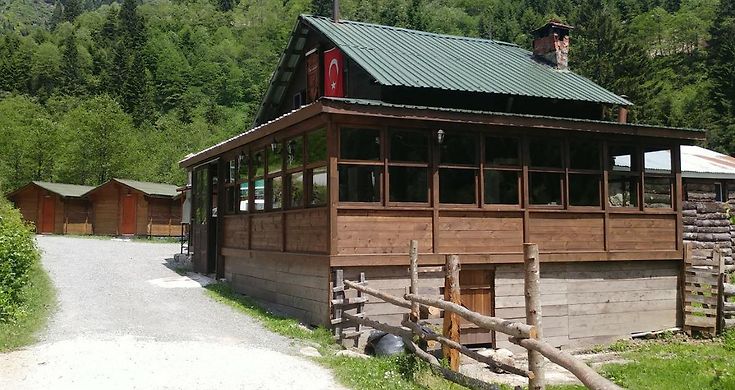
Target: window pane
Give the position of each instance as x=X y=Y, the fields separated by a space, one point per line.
x=243 y=163
x=584 y=155
x=275 y=159
x=409 y=146
x=501 y=151
x=657 y=192
x=359 y=183
x=297 y=189
x=657 y=161
x=501 y=187
x=545 y=153
x=259 y=194
x=259 y=163
x=545 y=188
x=359 y=144
x=623 y=158
x=275 y=186
x=318 y=186
x=409 y=184
x=584 y=190
x=317 y=144
x=230 y=199
x=623 y=191
x=295 y=152
x=457 y=186
x=459 y=149
x=244 y=196
x=231 y=171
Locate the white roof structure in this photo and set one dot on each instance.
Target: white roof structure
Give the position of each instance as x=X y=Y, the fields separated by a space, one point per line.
x=697 y=162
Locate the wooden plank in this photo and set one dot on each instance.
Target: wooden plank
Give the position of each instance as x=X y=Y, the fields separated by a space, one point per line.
x=700 y=322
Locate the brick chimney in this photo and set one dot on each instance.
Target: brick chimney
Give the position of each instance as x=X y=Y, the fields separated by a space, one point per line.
x=551 y=44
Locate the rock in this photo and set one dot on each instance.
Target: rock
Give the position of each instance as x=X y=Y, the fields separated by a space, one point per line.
x=352 y=354
x=501 y=355
x=310 y=352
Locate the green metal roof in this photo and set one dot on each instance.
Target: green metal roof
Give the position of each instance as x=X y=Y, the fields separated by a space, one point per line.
x=410 y=58
x=65 y=190
x=152 y=189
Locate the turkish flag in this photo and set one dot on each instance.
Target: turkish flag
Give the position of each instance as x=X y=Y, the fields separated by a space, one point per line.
x=333 y=68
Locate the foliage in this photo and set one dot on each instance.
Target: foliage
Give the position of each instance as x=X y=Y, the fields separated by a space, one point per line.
x=18 y=254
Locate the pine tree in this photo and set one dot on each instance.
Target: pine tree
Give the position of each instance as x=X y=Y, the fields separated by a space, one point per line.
x=72 y=82
x=226 y=5
x=321 y=7
x=415 y=15
x=72 y=9
x=57 y=17
x=722 y=75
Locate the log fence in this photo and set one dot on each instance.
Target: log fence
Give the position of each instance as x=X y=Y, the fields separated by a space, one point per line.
x=526 y=335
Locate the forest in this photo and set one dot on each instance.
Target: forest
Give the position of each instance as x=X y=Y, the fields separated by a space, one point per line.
x=93 y=89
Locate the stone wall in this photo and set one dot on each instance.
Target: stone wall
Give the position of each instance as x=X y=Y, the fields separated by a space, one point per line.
x=706 y=222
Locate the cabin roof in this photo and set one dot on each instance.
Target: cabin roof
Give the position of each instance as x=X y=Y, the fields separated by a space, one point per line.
x=409 y=58
x=148 y=188
x=61 y=189
x=698 y=162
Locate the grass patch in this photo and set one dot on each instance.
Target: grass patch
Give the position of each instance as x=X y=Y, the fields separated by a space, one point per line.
x=402 y=372
x=40 y=300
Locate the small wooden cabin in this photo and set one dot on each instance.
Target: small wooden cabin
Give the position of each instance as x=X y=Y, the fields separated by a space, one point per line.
x=370 y=136
x=56 y=208
x=129 y=207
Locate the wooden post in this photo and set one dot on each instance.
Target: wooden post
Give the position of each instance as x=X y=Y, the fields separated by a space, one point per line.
x=451 y=320
x=338 y=293
x=360 y=308
x=413 y=254
x=532 y=280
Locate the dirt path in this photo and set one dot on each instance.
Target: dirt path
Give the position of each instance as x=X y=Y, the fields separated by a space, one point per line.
x=126 y=321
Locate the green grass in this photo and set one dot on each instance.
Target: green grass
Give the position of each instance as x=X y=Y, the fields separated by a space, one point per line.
x=402 y=372
x=41 y=299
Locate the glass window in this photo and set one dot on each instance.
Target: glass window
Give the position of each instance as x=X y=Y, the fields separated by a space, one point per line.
x=502 y=151
x=259 y=193
x=295 y=153
x=259 y=163
x=297 y=189
x=457 y=186
x=359 y=183
x=623 y=191
x=409 y=184
x=316 y=142
x=409 y=146
x=545 y=188
x=359 y=144
x=275 y=187
x=460 y=149
x=230 y=199
x=584 y=190
x=584 y=155
x=657 y=161
x=275 y=159
x=231 y=171
x=623 y=158
x=319 y=193
x=501 y=187
x=657 y=192
x=545 y=153
x=244 y=196
x=244 y=165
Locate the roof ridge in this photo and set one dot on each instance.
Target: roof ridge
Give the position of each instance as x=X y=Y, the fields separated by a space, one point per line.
x=412 y=31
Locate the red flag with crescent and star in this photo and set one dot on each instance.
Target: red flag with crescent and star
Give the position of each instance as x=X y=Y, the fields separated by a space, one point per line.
x=333 y=68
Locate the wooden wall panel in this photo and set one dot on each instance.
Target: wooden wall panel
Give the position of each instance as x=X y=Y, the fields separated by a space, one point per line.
x=77 y=220
x=27 y=203
x=307 y=231
x=105 y=204
x=266 y=231
x=164 y=217
x=297 y=285
x=58 y=215
x=480 y=232
x=366 y=232
x=559 y=232
x=141 y=214
x=236 y=231
x=643 y=232
x=593 y=302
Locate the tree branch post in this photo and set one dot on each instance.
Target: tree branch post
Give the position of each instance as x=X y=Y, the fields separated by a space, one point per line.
x=532 y=281
x=451 y=320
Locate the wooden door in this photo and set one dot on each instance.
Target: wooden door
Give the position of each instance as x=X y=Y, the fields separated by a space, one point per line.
x=127 y=225
x=477 y=290
x=48 y=211
x=200 y=221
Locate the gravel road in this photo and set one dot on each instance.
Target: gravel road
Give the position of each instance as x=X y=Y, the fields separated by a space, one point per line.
x=126 y=321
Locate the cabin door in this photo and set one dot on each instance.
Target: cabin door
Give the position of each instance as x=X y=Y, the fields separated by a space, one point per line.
x=128 y=214
x=204 y=217
x=48 y=211
x=477 y=290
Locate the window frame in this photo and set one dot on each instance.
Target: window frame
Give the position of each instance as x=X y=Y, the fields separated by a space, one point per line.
x=671 y=176
x=599 y=173
x=407 y=164
x=476 y=168
x=311 y=166
x=563 y=183
x=485 y=167
x=637 y=175
x=373 y=163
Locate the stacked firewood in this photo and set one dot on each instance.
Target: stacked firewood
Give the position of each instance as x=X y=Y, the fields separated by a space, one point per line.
x=707 y=224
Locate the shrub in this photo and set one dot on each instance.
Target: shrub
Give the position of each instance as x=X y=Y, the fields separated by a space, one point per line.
x=18 y=252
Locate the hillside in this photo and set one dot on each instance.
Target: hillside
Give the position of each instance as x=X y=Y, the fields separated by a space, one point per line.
x=92 y=90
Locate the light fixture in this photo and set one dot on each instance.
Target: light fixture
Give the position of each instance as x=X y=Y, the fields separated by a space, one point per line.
x=440 y=136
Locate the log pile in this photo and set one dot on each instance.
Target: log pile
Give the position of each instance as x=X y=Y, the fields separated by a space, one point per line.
x=706 y=224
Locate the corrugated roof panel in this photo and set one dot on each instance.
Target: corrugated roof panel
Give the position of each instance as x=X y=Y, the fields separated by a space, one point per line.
x=153 y=189
x=401 y=57
x=63 y=189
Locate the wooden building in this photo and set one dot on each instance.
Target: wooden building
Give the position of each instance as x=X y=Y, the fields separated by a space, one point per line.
x=54 y=207
x=129 y=207
x=370 y=136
